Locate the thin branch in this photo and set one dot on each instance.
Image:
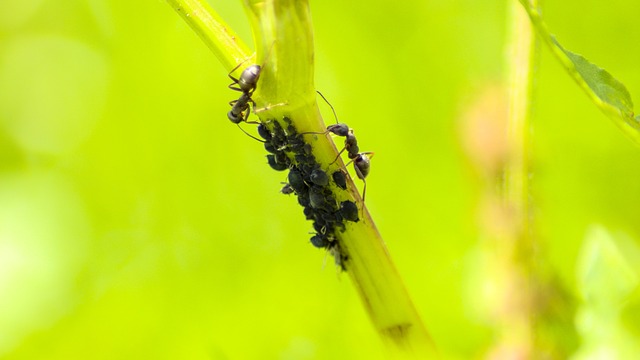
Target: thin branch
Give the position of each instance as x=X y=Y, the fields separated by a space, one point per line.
x=286 y=95
x=226 y=46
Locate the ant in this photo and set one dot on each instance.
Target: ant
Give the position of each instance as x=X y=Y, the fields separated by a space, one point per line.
x=246 y=84
x=361 y=160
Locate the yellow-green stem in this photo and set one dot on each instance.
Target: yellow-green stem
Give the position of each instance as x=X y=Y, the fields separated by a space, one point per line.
x=284 y=38
x=220 y=38
x=516 y=323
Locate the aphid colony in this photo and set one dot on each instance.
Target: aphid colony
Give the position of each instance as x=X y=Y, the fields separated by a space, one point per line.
x=288 y=151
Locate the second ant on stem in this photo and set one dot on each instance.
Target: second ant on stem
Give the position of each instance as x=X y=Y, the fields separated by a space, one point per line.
x=361 y=160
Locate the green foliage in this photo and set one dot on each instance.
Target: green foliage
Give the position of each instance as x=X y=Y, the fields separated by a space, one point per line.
x=603 y=84
x=607 y=92
x=137 y=222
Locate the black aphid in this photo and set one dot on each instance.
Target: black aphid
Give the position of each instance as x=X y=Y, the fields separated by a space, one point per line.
x=264 y=132
x=297 y=181
x=319 y=241
x=269 y=147
x=319 y=177
x=349 y=210
x=276 y=165
x=287 y=189
x=340 y=179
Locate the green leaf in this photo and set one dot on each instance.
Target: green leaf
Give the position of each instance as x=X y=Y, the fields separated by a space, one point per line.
x=603 y=84
x=609 y=94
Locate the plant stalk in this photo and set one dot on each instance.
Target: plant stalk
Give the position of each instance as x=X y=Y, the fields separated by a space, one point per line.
x=286 y=36
x=207 y=24
x=515 y=249
x=284 y=39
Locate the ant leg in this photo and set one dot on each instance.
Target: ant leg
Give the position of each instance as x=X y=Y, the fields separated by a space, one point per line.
x=245 y=116
x=251 y=102
x=347 y=164
x=231 y=86
x=236 y=81
x=340 y=153
x=316 y=133
x=364 y=191
x=232 y=102
x=236 y=68
x=249 y=109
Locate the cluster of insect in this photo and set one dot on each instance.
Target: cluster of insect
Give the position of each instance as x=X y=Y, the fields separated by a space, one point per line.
x=288 y=151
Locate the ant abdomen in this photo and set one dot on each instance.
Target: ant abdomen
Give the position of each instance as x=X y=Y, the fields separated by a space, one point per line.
x=249 y=79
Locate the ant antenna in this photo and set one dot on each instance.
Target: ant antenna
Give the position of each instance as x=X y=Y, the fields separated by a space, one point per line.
x=249 y=135
x=328 y=103
x=241 y=62
x=266 y=57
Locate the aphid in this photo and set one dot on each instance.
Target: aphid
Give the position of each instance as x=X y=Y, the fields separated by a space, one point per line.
x=276 y=165
x=282 y=158
x=349 y=210
x=279 y=138
x=308 y=213
x=321 y=200
x=319 y=177
x=316 y=198
x=320 y=227
x=287 y=189
x=319 y=241
x=340 y=179
x=296 y=180
x=264 y=132
x=303 y=200
x=268 y=145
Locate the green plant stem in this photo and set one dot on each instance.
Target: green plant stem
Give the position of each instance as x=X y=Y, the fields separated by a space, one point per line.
x=284 y=38
x=516 y=249
x=520 y=58
x=220 y=38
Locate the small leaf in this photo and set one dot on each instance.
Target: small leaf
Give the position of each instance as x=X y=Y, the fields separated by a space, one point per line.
x=603 y=84
x=609 y=94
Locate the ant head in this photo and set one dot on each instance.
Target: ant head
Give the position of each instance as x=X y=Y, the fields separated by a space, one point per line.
x=340 y=130
x=249 y=78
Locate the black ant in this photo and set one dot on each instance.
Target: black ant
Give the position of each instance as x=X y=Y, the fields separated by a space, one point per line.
x=246 y=84
x=361 y=162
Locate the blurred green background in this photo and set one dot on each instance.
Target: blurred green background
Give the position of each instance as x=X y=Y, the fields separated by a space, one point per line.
x=137 y=222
